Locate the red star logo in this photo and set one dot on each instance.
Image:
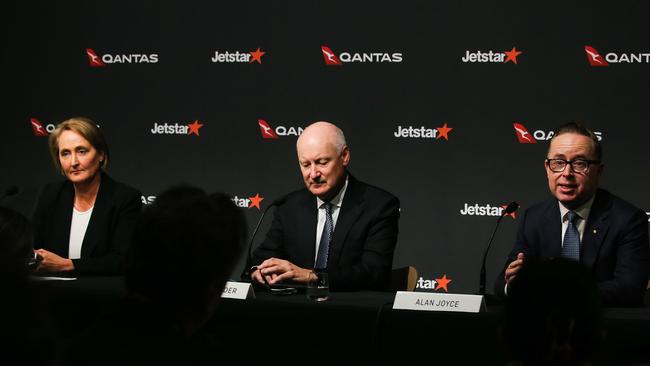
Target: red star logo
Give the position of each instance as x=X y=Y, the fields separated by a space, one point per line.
x=256 y=56
x=255 y=201
x=443 y=131
x=512 y=214
x=512 y=55
x=194 y=127
x=442 y=283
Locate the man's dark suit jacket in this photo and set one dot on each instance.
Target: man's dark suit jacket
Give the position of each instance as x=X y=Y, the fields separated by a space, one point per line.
x=614 y=246
x=363 y=243
x=109 y=231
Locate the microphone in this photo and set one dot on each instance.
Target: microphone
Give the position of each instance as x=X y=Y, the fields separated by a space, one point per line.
x=512 y=207
x=246 y=274
x=12 y=190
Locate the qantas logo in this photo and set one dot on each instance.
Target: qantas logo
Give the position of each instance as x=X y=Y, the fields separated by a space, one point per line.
x=238 y=56
x=595 y=59
x=492 y=56
x=147 y=200
x=177 y=128
x=39 y=129
x=250 y=202
x=266 y=130
x=269 y=132
x=525 y=137
x=134 y=58
x=434 y=284
x=331 y=59
x=93 y=59
x=485 y=210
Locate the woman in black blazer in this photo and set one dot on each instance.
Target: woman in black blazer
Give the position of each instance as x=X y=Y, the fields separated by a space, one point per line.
x=83 y=225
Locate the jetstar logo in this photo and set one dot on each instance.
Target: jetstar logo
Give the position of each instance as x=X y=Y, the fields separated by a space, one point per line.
x=485 y=210
x=250 y=202
x=595 y=59
x=177 y=128
x=492 y=56
x=423 y=132
x=39 y=129
x=269 y=132
x=525 y=137
x=238 y=56
x=134 y=58
x=331 y=59
x=437 y=284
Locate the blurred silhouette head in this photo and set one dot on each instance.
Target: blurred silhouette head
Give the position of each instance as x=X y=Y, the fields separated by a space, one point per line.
x=185 y=246
x=553 y=314
x=16 y=247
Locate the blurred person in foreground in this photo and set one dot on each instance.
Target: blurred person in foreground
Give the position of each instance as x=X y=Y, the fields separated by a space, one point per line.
x=26 y=333
x=553 y=315
x=185 y=246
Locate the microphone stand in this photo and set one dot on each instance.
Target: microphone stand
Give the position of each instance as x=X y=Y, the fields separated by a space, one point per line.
x=512 y=207
x=246 y=275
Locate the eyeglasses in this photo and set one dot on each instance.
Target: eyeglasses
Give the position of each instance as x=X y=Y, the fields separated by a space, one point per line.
x=578 y=165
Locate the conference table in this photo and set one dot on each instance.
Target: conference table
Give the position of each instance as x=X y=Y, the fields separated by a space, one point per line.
x=350 y=327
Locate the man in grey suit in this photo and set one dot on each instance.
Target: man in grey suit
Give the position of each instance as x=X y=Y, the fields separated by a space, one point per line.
x=336 y=224
x=583 y=223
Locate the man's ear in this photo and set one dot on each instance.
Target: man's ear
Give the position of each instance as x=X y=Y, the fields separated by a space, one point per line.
x=345 y=155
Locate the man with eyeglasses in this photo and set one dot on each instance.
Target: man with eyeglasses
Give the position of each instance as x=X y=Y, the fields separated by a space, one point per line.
x=583 y=223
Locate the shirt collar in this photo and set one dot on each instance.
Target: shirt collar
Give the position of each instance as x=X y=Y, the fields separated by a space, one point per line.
x=337 y=201
x=582 y=211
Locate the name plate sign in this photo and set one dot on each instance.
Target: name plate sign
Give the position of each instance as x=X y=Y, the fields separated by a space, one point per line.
x=238 y=290
x=429 y=301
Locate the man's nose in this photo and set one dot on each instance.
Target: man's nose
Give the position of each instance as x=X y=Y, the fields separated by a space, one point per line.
x=568 y=171
x=314 y=172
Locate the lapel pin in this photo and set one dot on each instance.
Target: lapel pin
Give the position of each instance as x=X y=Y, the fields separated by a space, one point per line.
x=595 y=231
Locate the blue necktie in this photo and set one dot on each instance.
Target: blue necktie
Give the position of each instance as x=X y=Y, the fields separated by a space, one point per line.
x=571 y=243
x=325 y=238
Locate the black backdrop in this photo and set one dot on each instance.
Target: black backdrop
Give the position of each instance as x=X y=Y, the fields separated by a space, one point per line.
x=47 y=77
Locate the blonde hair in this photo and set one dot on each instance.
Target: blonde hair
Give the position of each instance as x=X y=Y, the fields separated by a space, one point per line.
x=88 y=130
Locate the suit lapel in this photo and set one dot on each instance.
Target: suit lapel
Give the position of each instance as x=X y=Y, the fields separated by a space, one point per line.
x=350 y=211
x=552 y=231
x=61 y=220
x=596 y=228
x=307 y=234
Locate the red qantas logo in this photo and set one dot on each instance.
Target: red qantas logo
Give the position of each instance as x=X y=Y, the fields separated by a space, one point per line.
x=330 y=57
x=594 y=58
x=523 y=135
x=93 y=59
x=266 y=130
x=37 y=126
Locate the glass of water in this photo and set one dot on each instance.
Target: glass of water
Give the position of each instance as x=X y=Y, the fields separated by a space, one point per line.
x=318 y=287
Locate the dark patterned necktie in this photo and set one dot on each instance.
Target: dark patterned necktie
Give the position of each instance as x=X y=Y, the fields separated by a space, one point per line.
x=571 y=243
x=325 y=238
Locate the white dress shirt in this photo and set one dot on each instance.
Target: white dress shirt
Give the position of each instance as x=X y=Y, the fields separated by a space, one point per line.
x=78 y=228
